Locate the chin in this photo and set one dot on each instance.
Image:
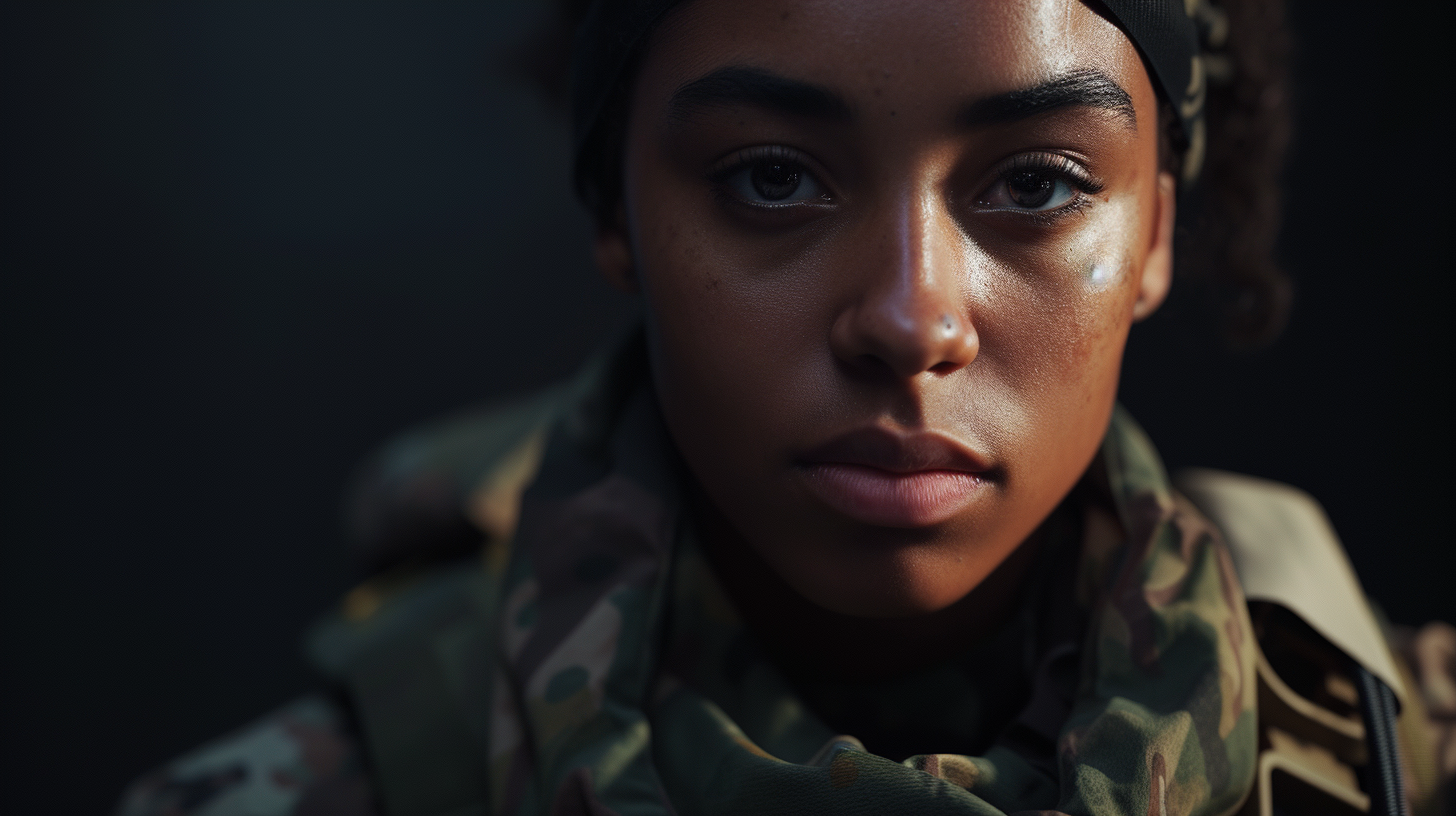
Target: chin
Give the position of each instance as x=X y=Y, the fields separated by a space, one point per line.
x=888 y=602
x=909 y=583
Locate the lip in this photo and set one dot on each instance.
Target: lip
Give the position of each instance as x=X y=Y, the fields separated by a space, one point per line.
x=889 y=479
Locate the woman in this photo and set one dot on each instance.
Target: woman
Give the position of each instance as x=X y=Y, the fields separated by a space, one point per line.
x=854 y=524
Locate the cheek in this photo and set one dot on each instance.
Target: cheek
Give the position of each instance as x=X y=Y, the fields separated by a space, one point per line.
x=1056 y=333
x=680 y=272
x=1086 y=304
x=1107 y=266
x=729 y=310
x=726 y=335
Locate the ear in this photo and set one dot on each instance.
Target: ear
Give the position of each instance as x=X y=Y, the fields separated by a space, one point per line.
x=613 y=252
x=1157 y=274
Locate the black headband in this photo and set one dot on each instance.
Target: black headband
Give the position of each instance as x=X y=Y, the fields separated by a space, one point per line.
x=1172 y=36
x=1169 y=34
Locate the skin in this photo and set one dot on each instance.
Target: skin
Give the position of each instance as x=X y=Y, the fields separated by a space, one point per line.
x=905 y=290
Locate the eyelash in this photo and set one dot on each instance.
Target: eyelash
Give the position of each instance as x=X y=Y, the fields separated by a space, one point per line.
x=746 y=159
x=749 y=156
x=1057 y=165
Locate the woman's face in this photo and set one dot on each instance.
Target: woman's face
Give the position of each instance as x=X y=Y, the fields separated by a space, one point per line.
x=890 y=253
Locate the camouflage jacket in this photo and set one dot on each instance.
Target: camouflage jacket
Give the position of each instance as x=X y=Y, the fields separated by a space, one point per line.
x=586 y=661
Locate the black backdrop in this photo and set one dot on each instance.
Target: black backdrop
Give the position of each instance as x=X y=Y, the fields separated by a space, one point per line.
x=246 y=242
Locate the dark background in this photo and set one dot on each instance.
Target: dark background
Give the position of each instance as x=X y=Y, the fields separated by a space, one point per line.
x=246 y=242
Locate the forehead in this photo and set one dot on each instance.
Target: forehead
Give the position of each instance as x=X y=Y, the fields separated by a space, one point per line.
x=900 y=55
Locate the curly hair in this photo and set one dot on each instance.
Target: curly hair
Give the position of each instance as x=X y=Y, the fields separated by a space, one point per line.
x=1228 y=221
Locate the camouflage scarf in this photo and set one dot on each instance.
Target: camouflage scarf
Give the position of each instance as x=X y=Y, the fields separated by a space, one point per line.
x=623 y=684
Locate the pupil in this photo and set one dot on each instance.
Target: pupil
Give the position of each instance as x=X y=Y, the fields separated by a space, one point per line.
x=775 y=182
x=1031 y=189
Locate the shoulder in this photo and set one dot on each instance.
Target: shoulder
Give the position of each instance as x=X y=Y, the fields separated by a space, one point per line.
x=298 y=760
x=438 y=490
x=1287 y=553
x=1344 y=719
x=431 y=516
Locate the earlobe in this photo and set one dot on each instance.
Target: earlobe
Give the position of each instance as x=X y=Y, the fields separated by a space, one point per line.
x=1157 y=273
x=612 y=250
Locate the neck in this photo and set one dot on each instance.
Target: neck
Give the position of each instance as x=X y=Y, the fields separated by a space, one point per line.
x=811 y=642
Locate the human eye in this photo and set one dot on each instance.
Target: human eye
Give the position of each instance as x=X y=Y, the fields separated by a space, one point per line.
x=769 y=178
x=1039 y=183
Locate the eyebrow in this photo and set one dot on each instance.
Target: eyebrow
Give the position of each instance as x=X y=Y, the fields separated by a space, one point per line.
x=740 y=85
x=1085 y=87
x=735 y=85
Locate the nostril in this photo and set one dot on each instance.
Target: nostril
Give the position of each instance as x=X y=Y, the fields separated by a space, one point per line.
x=902 y=342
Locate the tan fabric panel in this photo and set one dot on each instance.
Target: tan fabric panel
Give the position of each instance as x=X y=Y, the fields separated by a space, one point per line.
x=1287 y=553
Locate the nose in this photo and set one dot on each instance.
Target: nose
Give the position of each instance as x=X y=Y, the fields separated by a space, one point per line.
x=910 y=312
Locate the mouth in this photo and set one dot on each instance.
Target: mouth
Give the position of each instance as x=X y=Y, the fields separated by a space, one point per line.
x=888 y=479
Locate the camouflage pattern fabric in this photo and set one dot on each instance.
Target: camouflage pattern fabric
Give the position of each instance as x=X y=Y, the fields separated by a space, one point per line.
x=300 y=760
x=1151 y=711
x=594 y=666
